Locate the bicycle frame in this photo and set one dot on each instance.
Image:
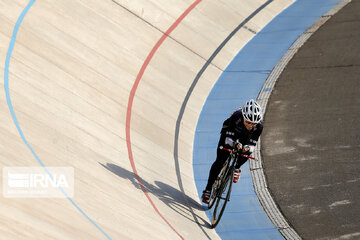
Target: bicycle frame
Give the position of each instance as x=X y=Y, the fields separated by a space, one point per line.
x=223 y=184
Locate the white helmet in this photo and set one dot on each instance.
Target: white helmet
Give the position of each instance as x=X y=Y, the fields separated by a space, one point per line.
x=252 y=112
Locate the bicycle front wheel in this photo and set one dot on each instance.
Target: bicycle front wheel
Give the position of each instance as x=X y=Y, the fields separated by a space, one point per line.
x=223 y=196
x=214 y=191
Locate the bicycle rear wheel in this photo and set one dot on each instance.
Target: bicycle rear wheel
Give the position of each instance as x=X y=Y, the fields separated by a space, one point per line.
x=223 y=196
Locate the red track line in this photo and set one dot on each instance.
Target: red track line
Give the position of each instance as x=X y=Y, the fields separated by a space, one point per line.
x=131 y=99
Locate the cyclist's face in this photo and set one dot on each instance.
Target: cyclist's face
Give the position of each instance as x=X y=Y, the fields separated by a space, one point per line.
x=249 y=125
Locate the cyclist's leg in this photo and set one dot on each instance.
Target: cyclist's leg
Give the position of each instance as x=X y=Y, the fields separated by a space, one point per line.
x=241 y=160
x=218 y=164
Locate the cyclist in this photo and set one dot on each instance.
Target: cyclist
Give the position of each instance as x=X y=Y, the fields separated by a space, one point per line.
x=242 y=131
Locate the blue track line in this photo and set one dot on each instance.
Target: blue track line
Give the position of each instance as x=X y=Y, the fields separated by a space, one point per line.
x=9 y=103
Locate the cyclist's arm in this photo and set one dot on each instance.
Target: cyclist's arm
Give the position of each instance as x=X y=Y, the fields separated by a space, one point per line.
x=250 y=147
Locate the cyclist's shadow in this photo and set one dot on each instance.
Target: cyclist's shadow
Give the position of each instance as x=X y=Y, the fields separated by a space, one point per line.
x=172 y=197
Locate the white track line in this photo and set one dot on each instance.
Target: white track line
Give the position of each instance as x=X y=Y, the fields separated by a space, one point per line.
x=256 y=167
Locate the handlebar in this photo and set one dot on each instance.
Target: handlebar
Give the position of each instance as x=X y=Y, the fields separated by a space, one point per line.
x=233 y=151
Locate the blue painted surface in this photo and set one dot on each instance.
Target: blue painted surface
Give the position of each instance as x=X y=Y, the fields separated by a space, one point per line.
x=242 y=80
x=13 y=115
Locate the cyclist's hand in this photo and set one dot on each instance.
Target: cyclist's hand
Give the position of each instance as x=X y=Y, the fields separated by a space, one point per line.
x=248 y=148
x=238 y=146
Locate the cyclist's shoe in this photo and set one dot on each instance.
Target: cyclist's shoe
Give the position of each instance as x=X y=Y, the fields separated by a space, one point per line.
x=236 y=175
x=205 y=196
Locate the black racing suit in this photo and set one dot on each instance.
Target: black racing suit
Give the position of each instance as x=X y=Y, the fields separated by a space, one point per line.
x=234 y=128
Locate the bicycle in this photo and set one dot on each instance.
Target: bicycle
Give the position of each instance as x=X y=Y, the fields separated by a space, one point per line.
x=221 y=189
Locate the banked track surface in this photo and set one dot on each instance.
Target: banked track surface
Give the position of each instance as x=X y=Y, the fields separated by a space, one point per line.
x=70 y=77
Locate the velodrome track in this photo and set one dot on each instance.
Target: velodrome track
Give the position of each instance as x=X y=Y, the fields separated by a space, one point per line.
x=98 y=86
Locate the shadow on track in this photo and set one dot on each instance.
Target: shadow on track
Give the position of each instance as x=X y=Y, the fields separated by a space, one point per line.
x=172 y=197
